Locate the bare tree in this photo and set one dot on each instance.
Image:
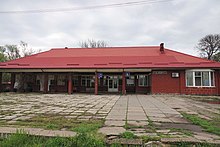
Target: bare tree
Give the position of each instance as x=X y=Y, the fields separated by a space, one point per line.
x=90 y=43
x=209 y=45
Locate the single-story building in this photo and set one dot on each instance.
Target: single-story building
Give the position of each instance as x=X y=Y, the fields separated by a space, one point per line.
x=147 y=69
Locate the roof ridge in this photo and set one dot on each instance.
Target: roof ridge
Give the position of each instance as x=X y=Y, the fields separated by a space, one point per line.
x=113 y=47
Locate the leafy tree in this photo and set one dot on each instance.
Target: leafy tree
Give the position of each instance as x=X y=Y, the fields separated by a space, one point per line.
x=90 y=43
x=25 y=50
x=3 y=58
x=209 y=45
x=216 y=57
x=11 y=52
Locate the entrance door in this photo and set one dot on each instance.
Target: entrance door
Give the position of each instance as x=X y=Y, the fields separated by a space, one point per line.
x=113 y=85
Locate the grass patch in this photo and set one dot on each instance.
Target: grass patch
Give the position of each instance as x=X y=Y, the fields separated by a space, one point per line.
x=184 y=131
x=25 y=140
x=58 y=122
x=87 y=127
x=128 y=135
x=51 y=126
x=209 y=126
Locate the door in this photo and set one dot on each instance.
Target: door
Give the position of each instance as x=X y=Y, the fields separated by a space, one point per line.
x=113 y=85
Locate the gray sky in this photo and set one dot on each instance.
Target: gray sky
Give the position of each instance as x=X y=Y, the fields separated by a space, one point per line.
x=178 y=23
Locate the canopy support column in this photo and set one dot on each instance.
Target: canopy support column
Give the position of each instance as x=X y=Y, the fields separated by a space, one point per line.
x=70 y=84
x=45 y=83
x=96 y=83
x=123 y=83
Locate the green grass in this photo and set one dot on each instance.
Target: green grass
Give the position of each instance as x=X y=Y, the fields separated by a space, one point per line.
x=58 y=122
x=184 y=131
x=25 y=140
x=209 y=126
x=87 y=127
x=128 y=135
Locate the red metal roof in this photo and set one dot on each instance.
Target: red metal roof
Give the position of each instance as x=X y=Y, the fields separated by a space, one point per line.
x=110 y=57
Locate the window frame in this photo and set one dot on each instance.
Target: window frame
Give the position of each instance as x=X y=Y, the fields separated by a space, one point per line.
x=146 y=77
x=61 y=80
x=89 y=79
x=211 y=74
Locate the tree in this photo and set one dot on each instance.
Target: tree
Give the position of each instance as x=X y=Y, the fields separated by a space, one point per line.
x=3 y=58
x=209 y=45
x=216 y=57
x=10 y=52
x=90 y=43
x=25 y=50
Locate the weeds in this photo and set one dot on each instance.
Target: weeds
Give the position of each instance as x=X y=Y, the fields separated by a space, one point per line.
x=87 y=127
x=208 y=126
x=26 y=140
x=128 y=135
x=59 y=122
x=184 y=131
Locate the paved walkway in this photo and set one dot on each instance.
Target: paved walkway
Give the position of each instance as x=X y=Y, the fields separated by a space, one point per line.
x=135 y=112
x=139 y=107
x=16 y=106
x=37 y=132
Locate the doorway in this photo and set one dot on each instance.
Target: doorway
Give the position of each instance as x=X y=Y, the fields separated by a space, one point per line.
x=113 y=84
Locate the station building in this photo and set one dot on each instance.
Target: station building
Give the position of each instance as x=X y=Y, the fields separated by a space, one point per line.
x=147 y=69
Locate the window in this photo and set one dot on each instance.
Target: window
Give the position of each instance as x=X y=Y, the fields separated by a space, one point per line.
x=88 y=81
x=197 y=78
x=143 y=80
x=61 y=80
x=105 y=81
x=51 y=80
x=75 y=80
x=130 y=81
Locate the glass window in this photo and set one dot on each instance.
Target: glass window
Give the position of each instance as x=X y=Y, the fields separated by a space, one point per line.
x=88 y=81
x=200 y=78
x=205 y=78
x=61 y=80
x=189 y=78
x=130 y=81
x=105 y=81
x=75 y=80
x=143 y=80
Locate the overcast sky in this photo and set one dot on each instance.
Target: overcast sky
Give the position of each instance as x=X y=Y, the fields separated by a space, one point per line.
x=178 y=23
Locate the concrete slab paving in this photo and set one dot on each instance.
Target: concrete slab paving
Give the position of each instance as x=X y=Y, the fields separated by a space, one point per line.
x=117 y=123
x=55 y=104
x=37 y=132
x=135 y=110
x=111 y=130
